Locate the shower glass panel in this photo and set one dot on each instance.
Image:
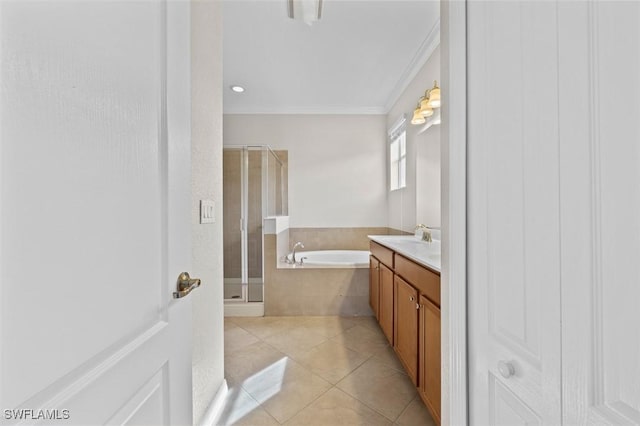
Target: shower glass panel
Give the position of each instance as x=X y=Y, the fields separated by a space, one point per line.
x=253 y=215
x=232 y=201
x=254 y=181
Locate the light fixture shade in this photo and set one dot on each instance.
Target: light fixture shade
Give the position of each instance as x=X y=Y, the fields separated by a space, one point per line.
x=308 y=11
x=434 y=96
x=425 y=108
x=417 y=117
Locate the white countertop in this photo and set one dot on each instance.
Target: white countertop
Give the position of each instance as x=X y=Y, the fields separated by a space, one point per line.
x=422 y=252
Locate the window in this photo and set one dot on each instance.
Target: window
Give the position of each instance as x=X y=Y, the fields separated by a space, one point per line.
x=398 y=156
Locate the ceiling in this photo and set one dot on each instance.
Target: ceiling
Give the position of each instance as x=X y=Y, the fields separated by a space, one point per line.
x=356 y=60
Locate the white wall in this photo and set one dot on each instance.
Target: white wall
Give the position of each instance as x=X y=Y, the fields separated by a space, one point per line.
x=419 y=201
x=337 y=164
x=206 y=76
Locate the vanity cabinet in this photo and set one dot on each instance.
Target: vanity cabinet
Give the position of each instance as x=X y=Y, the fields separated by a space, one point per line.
x=405 y=326
x=408 y=311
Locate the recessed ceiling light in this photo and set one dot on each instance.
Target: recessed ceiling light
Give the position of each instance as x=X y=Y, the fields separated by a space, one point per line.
x=237 y=89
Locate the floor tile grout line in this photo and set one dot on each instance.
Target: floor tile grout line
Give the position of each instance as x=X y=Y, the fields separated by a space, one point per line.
x=260 y=405
x=406 y=407
x=376 y=355
x=306 y=406
x=364 y=402
x=331 y=385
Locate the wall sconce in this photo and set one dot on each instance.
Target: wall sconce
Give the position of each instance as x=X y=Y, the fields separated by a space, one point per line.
x=418 y=118
x=426 y=104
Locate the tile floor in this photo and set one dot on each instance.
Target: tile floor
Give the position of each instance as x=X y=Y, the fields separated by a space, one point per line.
x=323 y=371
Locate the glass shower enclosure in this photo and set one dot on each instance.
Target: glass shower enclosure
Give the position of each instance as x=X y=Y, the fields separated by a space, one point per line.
x=254 y=187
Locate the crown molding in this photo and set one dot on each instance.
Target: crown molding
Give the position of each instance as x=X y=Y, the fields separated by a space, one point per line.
x=344 y=110
x=426 y=49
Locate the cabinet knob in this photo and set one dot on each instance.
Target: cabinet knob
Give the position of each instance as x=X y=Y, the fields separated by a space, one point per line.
x=506 y=369
x=411 y=298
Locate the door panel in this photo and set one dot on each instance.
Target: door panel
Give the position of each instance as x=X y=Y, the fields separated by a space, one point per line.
x=506 y=409
x=600 y=157
x=514 y=271
x=146 y=406
x=586 y=176
x=95 y=201
x=69 y=205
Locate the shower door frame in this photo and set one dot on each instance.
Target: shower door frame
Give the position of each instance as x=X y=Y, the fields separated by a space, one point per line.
x=244 y=213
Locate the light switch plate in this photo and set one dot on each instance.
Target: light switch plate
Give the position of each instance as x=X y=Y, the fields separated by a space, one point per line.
x=207 y=211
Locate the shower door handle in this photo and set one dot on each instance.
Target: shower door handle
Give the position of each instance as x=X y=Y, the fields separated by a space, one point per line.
x=186 y=285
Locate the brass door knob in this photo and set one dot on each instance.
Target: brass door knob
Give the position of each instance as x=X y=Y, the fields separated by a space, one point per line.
x=185 y=285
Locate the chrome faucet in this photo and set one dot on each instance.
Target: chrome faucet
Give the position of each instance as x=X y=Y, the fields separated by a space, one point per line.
x=293 y=253
x=426 y=232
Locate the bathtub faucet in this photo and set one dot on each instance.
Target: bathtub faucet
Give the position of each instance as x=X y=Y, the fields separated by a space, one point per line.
x=293 y=253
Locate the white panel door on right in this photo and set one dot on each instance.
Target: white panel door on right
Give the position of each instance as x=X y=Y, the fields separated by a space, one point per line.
x=513 y=190
x=599 y=50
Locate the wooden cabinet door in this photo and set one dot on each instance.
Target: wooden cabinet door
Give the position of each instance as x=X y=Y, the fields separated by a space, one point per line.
x=429 y=357
x=374 y=285
x=385 y=312
x=406 y=326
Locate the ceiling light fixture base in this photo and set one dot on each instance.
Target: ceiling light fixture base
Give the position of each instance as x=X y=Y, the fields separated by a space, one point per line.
x=308 y=11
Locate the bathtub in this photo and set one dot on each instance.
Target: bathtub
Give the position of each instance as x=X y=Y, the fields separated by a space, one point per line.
x=333 y=258
x=329 y=282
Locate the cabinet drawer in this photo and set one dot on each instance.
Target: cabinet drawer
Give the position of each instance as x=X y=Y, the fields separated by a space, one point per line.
x=427 y=282
x=383 y=254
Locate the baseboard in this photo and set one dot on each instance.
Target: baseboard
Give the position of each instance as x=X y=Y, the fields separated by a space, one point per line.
x=215 y=407
x=253 y=309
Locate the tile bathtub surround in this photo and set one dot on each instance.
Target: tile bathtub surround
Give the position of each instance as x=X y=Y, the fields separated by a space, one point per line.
x=337 y=238
x=312 y=370
x=309 y=291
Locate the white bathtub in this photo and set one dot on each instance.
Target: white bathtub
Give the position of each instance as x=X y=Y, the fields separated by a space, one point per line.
x=334 y=258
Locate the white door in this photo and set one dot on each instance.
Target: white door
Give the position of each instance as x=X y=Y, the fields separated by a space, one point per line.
x=554 y=212
x=94 y=217
x=600 y=193
x=513 y=214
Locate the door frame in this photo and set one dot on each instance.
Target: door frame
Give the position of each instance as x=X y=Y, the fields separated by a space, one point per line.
x=454 y=382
